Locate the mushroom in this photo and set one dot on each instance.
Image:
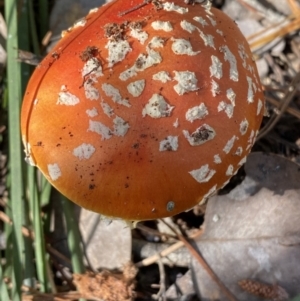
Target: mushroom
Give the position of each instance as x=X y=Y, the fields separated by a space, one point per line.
x=143 y=109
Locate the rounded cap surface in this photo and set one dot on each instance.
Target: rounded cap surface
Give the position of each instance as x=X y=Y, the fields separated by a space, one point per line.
x=143 y=110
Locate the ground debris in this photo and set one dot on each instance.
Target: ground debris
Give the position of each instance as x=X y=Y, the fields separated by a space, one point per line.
x=37 y=296
x=266 y=291
x=107 y=285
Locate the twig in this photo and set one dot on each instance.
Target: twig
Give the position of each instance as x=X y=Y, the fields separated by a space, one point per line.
x=203 y=263
x=290 y=93
x=153 y=231
x=28 y=233
x=56 y=253
x=52 y=297
x=289 y=110
x=294 y=7
x=257 y=7
x=161 y=294
x=47 y=38
x=64 y=275
x=155 y=258
x=276 y=69
x=278 y=30
x=134 y=8
x=5 y=218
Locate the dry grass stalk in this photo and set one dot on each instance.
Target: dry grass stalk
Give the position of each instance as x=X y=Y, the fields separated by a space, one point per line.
x=290 y=24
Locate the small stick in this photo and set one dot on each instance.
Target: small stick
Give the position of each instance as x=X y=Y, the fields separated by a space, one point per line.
x=152 y=259
x=276 y=103
x=6 y=219
x=134 y=8
x=203 y=263
x=161 y=295
x=289 y=96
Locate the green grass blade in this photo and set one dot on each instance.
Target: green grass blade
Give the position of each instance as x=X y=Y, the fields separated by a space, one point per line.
x=45 y=191
x=74 y=237
x=14 y=100
x=29 y=278
x=43 y=16
x=33 y=29
x=39 y=245
x=3 y=288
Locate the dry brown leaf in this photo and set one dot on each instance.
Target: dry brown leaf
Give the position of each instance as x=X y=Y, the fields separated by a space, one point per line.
x=253 y=232
x=106 y=285
x=111 y=239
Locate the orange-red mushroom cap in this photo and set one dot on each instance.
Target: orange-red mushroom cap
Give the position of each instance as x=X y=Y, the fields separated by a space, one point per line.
x=143 y=110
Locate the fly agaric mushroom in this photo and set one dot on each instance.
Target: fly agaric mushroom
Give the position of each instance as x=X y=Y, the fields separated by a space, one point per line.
x=143 y=109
